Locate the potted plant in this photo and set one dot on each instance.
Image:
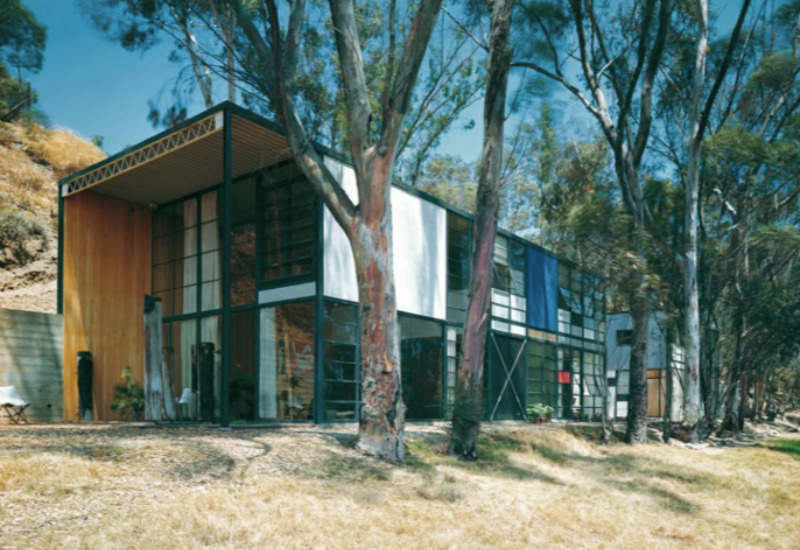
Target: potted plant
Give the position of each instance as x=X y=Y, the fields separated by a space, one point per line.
x=128 y=398
x=539 y=413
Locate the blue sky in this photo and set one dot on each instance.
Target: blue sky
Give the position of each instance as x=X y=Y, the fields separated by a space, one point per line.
x=92 y=86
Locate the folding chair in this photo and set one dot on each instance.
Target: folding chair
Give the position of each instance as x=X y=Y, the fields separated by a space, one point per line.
x=13 y=404
x=184 y=400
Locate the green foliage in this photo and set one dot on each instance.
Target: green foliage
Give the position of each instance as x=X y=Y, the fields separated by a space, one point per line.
x=22 y=42
x=538 y=411
x=128 y=398
x=17 y=230
x=22 y=37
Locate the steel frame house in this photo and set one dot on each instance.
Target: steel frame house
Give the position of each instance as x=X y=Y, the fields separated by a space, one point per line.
x=259 y=292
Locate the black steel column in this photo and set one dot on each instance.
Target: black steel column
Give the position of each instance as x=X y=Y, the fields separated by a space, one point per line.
x=319 y=318
x=60 y=259
x=227 y=228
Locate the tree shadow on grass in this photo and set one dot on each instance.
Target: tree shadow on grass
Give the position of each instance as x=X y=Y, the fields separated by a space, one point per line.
x=144 y=444
x=790 y=447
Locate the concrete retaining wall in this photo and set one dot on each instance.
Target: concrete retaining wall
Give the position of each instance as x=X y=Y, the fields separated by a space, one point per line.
x=31 y=359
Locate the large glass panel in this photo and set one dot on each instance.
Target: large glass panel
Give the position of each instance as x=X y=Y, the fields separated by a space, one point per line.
x=542 y=374
x=458 y=259
x=210 y=259
x=421 y=359
x=286 y=365
x=180 y=338
x=593 y=386
x=242 y=369
x=341 y=370
x=288 y=230
x=243 y=243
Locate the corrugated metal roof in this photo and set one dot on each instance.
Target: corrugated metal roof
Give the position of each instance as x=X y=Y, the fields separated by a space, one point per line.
x=183 y=161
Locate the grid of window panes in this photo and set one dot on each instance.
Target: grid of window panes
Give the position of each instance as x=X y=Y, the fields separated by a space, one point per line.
x=210 y=253
x=593 y=386
x=508 y=286
x=289 y=225
x=593 y=308
x=340 y=384
x=174 y=246
x=458 y=266
x=454 y=339
x=187 y=252
x=580 y=306
x=542 y=374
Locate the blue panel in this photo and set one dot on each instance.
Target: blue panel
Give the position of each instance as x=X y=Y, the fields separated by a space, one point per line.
x=542 y=291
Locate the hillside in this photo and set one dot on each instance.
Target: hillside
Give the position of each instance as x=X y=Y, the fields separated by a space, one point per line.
x=32 y=160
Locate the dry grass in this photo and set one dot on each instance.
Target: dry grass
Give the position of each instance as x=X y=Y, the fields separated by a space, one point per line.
x=112 y=486
x=63 y=151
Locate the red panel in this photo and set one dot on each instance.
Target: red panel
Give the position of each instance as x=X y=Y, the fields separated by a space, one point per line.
x=563 y=377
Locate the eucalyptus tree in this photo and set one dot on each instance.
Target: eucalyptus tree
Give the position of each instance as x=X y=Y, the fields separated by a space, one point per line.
x=618 y=52
x=468 y=408
x=268 y=49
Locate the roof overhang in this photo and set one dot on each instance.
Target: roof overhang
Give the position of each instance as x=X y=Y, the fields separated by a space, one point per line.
x=184 y=160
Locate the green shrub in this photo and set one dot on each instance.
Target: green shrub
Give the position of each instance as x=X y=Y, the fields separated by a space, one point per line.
x=128 y=398
x=16 y=230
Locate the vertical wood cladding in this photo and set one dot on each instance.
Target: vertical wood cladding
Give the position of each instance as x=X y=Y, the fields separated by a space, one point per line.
x=107 y=256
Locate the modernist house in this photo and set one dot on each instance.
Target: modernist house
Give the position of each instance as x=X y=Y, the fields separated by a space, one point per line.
x=259 y=292
x=618 y=357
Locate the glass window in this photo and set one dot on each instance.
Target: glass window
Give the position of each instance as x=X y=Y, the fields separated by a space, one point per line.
x=340 y=389
x=624 y=338
x=242 y=373
x=288 y=230
x=186 y=253
x=458 y=266
x=421 y=359
x=542 y=374
x=286 y=365
x=243 y=243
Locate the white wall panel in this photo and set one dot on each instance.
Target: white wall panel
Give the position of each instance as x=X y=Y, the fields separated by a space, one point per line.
x=420 y=251
x=420 y=255
x=339 y=271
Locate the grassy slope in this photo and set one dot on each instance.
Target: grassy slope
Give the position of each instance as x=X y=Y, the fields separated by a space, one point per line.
x=32 y=160
x=102 y=487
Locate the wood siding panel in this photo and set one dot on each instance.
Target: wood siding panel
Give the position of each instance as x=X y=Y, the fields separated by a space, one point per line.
x=107 y=272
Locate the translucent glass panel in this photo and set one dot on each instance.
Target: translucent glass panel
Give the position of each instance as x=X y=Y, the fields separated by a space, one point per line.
x=455 y=336
x=187 y=256
x=286 y=362
x=340 y=385
x=421 y=360
x=175 y=255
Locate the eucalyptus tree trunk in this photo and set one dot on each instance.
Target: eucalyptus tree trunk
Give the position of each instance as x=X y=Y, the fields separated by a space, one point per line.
x=691 y=338
x=368 y=225
x=468 y=409
x=382 y=410
x=636 y=421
